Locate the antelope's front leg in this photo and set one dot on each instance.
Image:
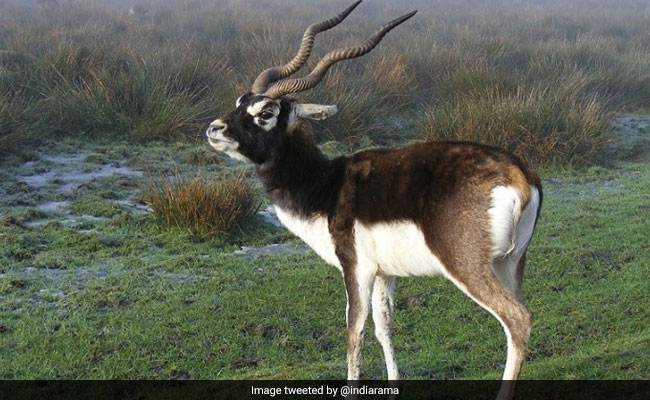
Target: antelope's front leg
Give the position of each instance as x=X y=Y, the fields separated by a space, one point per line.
x=358 y=287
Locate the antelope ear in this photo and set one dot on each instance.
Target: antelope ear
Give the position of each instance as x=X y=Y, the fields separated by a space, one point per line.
x=314 y=111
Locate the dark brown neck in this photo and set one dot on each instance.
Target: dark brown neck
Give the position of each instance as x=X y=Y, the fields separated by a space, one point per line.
x=302 y=180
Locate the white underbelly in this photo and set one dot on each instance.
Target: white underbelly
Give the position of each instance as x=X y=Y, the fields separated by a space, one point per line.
x=394 y=249
x=397 y=249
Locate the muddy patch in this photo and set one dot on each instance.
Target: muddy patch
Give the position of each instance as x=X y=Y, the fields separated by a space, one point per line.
x=48 y=296
x=57 y=277
x=633 y=122
x=53 y=274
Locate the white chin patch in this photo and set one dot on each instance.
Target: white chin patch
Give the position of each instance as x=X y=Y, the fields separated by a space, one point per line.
x=235 y=155
x=229 y=148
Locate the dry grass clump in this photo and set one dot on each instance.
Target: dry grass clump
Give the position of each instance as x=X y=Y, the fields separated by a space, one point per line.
x=12 y=123
x=205 y=208
x=8 y=138
x=541 y=126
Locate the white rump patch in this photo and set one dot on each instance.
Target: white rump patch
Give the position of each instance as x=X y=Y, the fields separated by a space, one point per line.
x=504 y=214
x=397 y=248
x=526 y=223
x=511 y=228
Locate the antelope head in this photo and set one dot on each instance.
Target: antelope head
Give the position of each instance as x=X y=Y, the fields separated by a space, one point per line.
x=256 y=130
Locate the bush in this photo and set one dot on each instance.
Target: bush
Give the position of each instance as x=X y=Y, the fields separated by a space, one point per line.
x=203 y=207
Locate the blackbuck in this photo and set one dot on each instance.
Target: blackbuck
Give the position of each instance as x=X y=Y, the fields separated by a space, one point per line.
x=462 y=210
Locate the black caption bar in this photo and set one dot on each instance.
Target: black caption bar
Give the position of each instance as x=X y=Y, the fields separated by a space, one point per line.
x=272 y=390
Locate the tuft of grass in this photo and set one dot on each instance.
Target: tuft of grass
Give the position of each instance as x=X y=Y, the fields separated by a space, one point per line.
x=12 y=130
x=203 y=207
x=541 y=126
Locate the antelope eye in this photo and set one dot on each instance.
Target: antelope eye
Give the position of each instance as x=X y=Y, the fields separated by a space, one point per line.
x=265 y=115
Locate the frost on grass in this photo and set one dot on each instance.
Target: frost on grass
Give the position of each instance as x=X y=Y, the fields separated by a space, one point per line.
x=67 y=173
x=51 y=186
x=270 y=250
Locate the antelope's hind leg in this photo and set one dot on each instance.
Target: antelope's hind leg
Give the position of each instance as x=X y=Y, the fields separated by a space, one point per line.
x=510 y=271
x=382 y=310
x=482 y=286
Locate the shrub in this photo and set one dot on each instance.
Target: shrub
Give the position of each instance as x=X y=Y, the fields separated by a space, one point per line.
x=203 y=207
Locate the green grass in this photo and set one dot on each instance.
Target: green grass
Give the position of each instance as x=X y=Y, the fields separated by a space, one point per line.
x=98 y=289
x=123 y=298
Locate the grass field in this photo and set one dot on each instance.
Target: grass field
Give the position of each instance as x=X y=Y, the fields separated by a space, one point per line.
x=97 y=106
x=92 y=287
x=541 y=79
